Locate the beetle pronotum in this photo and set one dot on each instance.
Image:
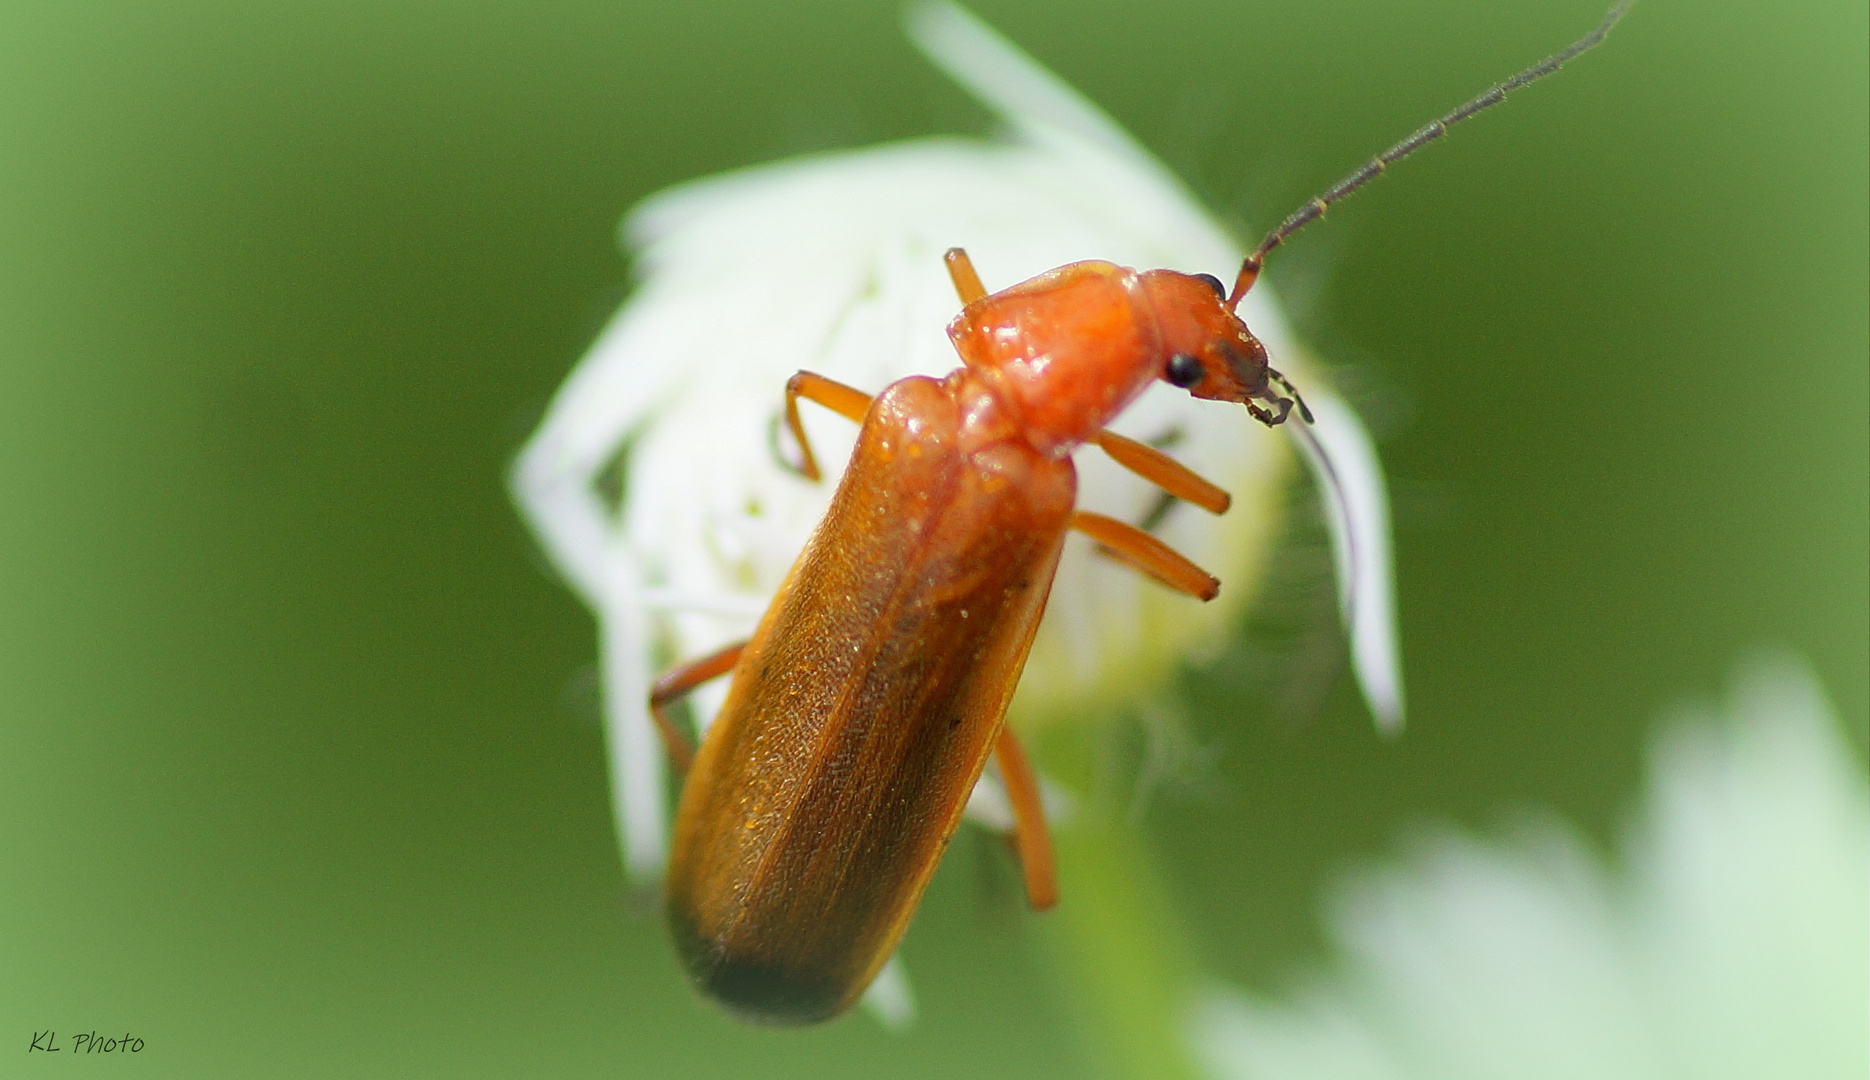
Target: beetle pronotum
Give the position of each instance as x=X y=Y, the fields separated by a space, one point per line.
x=866 y=704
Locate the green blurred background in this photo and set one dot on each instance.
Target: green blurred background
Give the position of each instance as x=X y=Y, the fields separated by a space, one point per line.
x=299 y=767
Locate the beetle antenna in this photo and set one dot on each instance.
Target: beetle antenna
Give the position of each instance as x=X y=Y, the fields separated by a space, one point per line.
x=1427 y=133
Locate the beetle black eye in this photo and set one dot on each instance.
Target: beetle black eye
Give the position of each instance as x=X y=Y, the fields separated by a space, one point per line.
x=1214 y=283
x=1183 y=370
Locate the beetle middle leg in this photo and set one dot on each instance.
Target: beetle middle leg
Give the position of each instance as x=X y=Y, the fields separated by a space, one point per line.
x=673 y=686
x=1148 y=554
x=1030 y=837
x=844 y=400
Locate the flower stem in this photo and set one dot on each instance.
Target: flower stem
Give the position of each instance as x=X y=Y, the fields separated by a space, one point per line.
x=1121 y=950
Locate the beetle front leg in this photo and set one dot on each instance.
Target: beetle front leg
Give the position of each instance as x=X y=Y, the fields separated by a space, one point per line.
x=967 y=284
x=1164 y=471
x=844 y=400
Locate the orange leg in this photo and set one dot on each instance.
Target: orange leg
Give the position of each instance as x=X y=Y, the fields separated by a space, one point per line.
x=961 y=271
x=1164 y=471
x=675 y=685
x=1148 y=554
x=1030 y=837
x=833 y=395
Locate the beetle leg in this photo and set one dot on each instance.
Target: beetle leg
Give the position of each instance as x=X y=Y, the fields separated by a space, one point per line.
x=673 y=686
x=1030 y=836
x=833 y=395
x=961 y=271
x=1148 y=554
x=1164 y=471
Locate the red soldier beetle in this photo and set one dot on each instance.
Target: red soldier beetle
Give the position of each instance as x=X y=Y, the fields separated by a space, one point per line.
x=864 y=708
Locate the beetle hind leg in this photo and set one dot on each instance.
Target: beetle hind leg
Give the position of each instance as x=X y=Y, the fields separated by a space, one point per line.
x=1030 y=837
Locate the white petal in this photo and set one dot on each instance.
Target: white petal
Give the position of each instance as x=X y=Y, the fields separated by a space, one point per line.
x=1242 y=1038
x=1499 y=960
x=890 y=998
x=988 y=804
x=1753 y=882
x=1736 y=947
x=833 y=263
x=1357 y=510
x=636 y=755
x=998 y=73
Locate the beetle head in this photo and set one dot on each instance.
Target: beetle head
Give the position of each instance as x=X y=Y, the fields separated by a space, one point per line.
x=1206 y=348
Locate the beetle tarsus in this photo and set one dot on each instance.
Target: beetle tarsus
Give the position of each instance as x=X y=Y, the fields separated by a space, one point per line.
x=797 y=468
